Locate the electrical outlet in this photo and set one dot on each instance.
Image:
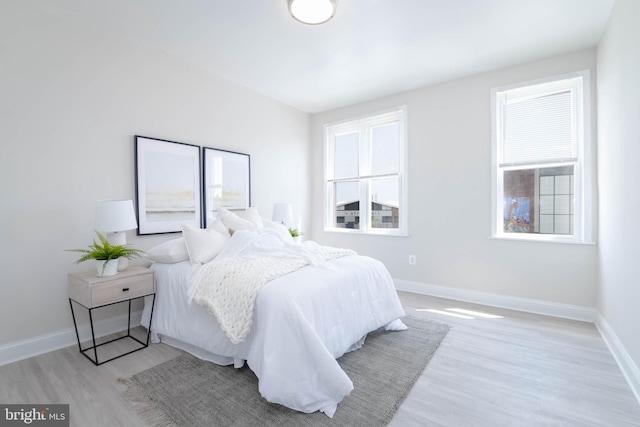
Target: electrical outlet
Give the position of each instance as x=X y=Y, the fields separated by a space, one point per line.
x=412 y=260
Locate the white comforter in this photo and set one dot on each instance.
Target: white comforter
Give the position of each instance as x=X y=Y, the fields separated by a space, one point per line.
x=302 y=322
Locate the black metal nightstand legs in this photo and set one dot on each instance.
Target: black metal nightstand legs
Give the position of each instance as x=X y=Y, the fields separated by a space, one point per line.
x=95 y=346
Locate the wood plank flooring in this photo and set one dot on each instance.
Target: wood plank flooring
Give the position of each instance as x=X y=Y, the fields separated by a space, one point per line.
x=515 y=369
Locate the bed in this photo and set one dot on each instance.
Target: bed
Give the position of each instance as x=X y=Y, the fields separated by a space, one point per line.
x=300 y=321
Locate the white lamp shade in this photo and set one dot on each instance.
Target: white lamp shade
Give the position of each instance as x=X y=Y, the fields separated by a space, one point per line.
x=115 y=215
x=282 y=213
x=312 y=11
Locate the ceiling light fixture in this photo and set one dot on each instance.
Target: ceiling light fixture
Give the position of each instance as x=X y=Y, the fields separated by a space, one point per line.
x=312 y=12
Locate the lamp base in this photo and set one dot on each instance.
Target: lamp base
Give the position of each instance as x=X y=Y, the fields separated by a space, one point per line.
x=119 y=238
x=123 y=264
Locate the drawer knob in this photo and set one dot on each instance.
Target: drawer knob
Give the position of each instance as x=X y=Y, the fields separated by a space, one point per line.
x=125 y=289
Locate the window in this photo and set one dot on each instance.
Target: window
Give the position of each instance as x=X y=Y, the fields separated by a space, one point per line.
x=365 y=175
x=541 y=160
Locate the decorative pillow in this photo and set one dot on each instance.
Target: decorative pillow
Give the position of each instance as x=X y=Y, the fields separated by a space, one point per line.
x=252 y=214
x=169 y=252
x=233 y=222
x=219 y=226
x=203 y=245
x=282 y=231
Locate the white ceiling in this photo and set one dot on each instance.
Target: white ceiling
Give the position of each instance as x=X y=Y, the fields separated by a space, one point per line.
x=371 y=48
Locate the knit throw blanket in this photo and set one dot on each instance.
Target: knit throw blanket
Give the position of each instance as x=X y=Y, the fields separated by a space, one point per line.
x=228 y=288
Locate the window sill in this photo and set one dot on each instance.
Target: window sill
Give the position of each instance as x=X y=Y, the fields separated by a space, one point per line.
x=365 y=233
x=542 y=239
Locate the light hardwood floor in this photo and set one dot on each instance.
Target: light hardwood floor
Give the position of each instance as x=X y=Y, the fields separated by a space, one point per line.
x=515 y=369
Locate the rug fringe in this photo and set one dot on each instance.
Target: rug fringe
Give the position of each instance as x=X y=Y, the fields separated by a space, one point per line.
x=144 y=406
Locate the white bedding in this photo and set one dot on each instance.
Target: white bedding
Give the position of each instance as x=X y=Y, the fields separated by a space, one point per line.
x=302 y=322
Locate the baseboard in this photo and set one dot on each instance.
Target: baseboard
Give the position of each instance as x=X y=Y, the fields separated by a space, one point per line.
x=547 y=308
x=24 y=349
x=623 y=359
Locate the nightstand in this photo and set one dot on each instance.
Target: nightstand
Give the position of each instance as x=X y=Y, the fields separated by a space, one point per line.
x=93 y=292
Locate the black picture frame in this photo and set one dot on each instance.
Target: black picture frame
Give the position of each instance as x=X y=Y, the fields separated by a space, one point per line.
x=226 y=181
x=168 y=185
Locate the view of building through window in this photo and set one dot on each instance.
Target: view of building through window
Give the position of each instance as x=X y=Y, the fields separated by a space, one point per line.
x=365 y=172
x=539 y=200
x=382 y=215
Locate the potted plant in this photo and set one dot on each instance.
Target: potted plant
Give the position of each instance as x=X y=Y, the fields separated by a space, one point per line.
x=294 y=232
x=296 y=235
x=106 y=255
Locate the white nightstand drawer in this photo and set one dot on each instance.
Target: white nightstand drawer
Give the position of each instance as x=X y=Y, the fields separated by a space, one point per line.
x=122 y=289
x=91 y=291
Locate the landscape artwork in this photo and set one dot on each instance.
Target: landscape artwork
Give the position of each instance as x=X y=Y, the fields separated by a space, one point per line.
x=227 y=181
x=167 y=185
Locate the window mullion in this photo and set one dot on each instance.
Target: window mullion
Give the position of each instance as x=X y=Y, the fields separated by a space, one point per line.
x=330 y=187
x=330 y=168
x=365 y=170
x=365 y=151
x=365 y=223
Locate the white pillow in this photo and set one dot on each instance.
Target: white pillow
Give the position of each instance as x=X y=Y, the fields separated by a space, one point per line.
x=282 y=231
x=233 y=222
x=203 y=245
x=252 y=214
x=169 y=252
x=219 y=226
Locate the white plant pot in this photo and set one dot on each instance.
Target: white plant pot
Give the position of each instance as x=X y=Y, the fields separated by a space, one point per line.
x=110 y=269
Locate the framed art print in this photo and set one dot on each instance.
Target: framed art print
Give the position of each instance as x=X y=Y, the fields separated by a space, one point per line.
x=226 y=181
x=168 y=191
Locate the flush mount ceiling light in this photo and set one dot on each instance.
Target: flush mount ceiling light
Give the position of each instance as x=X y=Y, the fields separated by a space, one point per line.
x=312 y=11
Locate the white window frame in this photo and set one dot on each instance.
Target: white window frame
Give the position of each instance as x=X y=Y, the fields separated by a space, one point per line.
x=363 y=125
x=582 y=230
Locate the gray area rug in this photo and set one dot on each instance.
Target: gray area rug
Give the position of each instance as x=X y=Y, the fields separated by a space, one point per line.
x=187 y=391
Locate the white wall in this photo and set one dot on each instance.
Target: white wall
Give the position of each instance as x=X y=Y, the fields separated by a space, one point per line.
x=619 y=153
x=449 y=130
x=71 y=101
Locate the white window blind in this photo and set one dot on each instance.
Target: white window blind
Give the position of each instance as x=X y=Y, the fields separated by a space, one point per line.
x=541 y=123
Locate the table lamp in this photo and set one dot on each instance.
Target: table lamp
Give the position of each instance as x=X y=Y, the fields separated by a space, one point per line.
x=115 y=217
x=282 y=213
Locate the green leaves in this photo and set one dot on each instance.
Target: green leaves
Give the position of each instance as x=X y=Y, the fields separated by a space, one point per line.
x=106 y=251
x=294 y=232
